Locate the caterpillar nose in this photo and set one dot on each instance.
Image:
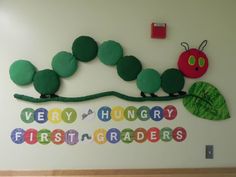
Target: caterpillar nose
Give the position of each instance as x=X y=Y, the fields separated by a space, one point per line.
x=196 y=68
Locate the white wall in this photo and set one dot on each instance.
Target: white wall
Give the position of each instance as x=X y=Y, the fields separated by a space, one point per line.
x=37 y=30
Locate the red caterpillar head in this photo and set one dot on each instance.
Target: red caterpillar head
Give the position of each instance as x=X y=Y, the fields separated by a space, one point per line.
x=193 y=63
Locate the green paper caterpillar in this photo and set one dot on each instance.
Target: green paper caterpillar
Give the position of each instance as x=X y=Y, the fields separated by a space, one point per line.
x=85 y=49
x=192 y=63
x=64 y=64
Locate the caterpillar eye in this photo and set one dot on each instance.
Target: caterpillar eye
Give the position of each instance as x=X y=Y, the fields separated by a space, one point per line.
x=191 y=60
x=201 y=62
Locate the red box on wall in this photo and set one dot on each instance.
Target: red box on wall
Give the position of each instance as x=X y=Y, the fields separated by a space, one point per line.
x=158 y=30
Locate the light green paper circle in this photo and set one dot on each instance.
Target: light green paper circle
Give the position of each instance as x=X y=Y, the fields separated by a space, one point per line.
x=69 y=115
x=110 y=52
x=143 y=113
x=27 y=115
x=44 y=136
x=149 y=81
x=127 y=135
x=130 y=113
x=22 y=72
x=64 y=64
x=166 y=134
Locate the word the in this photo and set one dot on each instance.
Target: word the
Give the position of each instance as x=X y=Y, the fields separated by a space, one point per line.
x=132 y=113
x=42 y=115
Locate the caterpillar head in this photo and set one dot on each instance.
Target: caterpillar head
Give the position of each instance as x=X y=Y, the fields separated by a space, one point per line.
x=193 y=63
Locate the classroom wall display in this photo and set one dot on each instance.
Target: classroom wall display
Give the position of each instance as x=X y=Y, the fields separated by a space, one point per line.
x=42 y=34
x=202 y=99
x=100 y=135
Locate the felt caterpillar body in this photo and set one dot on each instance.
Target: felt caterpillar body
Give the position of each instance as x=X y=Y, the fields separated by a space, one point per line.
x=192 y=63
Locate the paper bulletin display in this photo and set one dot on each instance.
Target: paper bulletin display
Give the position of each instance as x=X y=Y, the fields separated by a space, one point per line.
x=92 y=85
x=101 y=135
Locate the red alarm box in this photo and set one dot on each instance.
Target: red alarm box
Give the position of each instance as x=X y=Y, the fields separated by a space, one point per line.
x=158 y=30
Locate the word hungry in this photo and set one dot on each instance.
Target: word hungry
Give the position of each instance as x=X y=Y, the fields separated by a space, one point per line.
x=100 y=136
x=132 y=113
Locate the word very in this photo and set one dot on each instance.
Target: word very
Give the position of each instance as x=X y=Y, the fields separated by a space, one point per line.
x=42 y=115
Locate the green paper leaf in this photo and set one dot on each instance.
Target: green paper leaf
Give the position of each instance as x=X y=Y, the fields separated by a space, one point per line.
x=205 y=101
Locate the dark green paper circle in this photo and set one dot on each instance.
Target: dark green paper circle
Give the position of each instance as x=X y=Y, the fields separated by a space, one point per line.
x=84 y=48
x=22 y=72
x=149 y=81
x=128 y=68
x=172 y=81
x=46 y=82
x=110 y=52
x=64 y=64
